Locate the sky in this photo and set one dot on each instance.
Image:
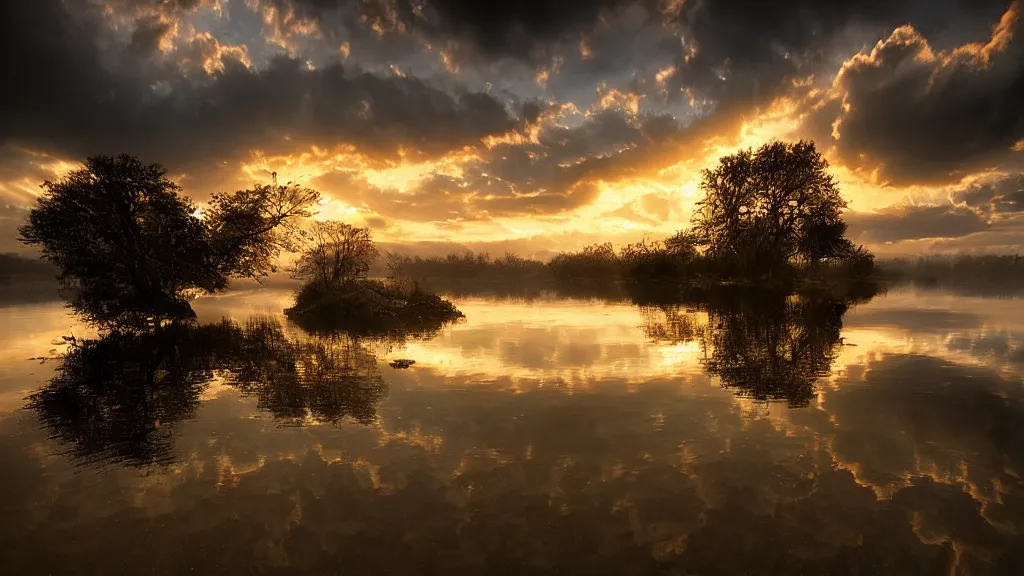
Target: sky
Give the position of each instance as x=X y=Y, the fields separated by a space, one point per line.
x=531 y=126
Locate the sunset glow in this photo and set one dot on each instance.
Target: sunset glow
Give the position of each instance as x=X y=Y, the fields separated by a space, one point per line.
x=425 y=139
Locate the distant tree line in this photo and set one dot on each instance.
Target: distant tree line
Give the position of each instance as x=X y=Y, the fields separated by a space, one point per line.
x=769 y=215
x=131 y=249
x=17 y=267
x=984 y=273
x=25 y=280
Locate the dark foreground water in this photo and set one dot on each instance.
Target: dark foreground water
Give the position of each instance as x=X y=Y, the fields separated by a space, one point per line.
x=545 y=437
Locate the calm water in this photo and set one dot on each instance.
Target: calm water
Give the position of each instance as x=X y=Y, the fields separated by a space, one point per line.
x=535 y=437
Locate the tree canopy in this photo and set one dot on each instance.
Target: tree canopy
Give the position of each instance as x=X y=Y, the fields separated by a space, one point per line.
x=334 y=254
x=774 y=206
x=131 y=248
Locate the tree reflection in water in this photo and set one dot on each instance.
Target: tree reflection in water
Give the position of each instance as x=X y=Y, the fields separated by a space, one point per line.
x=118 y=399
x=761 y=344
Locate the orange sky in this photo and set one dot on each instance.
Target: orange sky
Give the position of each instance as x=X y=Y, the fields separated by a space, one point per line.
x=610 y=152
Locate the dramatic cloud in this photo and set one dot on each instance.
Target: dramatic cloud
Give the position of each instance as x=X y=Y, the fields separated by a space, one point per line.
x=68 y=101
x=551 y=170
x=1005 y=235
x=522 y=29
x=932 y=116
x=913 y=223
x=993 y=197
x=736 y=52
x=520 y=121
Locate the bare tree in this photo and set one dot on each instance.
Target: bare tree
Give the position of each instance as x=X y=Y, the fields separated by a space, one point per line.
x=336 y=253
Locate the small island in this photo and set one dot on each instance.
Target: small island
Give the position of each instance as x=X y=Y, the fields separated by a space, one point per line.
x=336 y=293
x=131 y=250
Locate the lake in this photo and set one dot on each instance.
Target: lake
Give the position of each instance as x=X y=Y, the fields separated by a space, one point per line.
x=543 y=436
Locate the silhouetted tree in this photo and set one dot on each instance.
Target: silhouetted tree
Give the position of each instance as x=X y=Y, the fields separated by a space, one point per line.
x=335 y=253
x=658 y=260
x=769 y=208
x=596 y=262
x=337 y=295
x=130 y=247
x=247 y=229
x=682 y=245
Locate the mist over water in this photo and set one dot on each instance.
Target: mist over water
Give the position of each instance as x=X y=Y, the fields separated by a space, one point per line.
x=751 y=435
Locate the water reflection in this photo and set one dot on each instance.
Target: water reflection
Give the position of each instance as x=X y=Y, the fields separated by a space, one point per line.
x=562 y=437
x=120 y=397
x=762 y=344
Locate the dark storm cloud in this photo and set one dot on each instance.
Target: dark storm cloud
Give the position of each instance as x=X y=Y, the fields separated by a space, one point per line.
x=1000 y=196
x=517 y=28
x=523 y=29
x=66 y=100
x=914 y=222
x=165 y=6
x=74 y=99
x=735 y=29
x=728 y=55
x=147 y=37
x=741 y=52
x=928 y=116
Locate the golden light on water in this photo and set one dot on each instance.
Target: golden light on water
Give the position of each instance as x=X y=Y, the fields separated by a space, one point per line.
x=583 y=376
x=541 y=432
